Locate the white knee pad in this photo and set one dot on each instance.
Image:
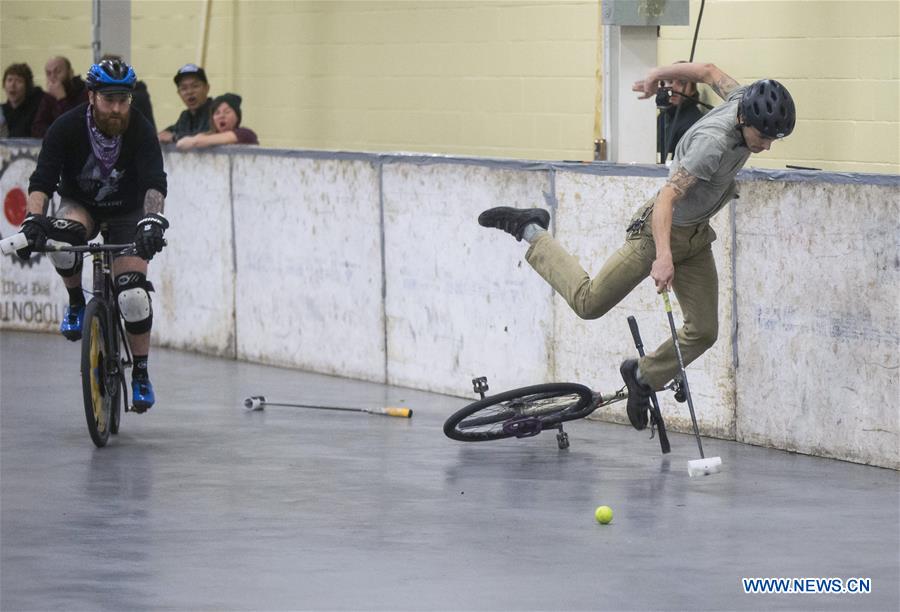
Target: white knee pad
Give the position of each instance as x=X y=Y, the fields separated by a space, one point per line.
x=67 y=232
x=134 y=302
x=64 y=260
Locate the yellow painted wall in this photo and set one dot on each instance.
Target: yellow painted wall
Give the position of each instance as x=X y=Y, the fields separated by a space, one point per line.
x=506 y=79
x=840 y=59
x=510 y=78
x=32 y=31
x=479 y=78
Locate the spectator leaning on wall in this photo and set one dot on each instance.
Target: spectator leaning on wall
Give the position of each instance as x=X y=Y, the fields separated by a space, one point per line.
x=22 y=100
x=669 y=237
x=65 y=91
x=194 y=91
x=226 y=126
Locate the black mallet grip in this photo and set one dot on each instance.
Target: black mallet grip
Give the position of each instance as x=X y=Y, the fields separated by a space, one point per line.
x=636 y=335
x=654 y=410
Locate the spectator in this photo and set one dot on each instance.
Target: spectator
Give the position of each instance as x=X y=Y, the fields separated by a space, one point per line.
x=65 y=91
x=226 y=126
x=140 y=97
x=22 y=100
x=678 y=110
x=194 y=91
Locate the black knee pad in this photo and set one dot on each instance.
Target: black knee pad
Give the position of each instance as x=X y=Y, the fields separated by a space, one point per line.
x=69 y=232
x=133 y=296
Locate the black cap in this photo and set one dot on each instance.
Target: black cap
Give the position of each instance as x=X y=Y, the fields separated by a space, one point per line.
x=190 y=70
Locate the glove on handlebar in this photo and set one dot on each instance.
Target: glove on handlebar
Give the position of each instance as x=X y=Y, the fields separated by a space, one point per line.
x=36 y=228
x=148 y=241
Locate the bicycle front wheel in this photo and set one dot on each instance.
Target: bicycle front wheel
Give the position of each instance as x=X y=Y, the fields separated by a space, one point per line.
x=99 y=386
x=550 y=404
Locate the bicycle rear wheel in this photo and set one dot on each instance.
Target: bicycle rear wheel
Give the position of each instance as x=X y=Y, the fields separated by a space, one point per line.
x=100 y=387
x=496 y=417
x=116 y=415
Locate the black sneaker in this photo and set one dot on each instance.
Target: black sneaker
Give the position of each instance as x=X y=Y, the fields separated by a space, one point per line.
x=514 y=220
x=638 y=395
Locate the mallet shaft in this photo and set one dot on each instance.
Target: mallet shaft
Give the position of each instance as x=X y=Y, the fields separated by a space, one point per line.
x=684 y=380
x=257 y=402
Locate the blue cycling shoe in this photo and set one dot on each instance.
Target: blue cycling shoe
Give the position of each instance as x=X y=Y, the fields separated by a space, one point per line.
x=142 y=397
x=72 y=322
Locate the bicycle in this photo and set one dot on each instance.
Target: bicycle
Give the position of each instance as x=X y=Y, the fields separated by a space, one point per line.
x=527 y=411
x=105 y=352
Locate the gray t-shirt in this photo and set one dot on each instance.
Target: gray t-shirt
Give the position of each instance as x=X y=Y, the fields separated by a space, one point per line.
x=713 y=150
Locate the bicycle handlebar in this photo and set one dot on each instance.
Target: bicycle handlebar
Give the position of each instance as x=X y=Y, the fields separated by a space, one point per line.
x=10 y=245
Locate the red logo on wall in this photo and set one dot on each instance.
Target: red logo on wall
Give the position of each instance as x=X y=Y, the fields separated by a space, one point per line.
x=14 y=206
x=14 y=177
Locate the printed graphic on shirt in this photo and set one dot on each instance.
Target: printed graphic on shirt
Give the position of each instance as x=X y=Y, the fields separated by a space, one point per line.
x=100 y=187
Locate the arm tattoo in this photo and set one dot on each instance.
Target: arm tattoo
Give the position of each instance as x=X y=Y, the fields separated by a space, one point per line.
x=681 y=182
x=154 y=201
x=45 y=202
x=724 y=86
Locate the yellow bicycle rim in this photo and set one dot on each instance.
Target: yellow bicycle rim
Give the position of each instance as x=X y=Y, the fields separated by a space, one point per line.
x=96 y=391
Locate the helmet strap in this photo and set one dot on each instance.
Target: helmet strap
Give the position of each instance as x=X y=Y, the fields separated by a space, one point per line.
x=740 y=128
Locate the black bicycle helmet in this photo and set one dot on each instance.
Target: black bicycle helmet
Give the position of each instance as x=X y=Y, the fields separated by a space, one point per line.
x=111 y=76
x=768 y=106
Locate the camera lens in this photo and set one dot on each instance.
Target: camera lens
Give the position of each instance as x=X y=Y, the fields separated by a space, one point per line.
x=663 y=94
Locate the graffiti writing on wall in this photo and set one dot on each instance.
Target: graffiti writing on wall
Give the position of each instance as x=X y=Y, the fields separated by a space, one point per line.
x=26 y=301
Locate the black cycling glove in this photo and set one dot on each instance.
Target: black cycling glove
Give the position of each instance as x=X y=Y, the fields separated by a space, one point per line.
x=148 y=241
x=36 y=228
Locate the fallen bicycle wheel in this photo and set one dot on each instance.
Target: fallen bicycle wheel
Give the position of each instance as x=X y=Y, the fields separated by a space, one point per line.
x=520 y=412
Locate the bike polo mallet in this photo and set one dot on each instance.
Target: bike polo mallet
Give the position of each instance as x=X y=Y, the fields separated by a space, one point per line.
x=259 y=402
x=656 y=415
x=704 y=466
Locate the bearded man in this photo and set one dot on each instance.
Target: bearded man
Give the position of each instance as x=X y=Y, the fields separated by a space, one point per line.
x=106 y=165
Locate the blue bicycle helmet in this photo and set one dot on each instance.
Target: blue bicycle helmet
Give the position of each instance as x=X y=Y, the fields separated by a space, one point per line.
x=111 y=76
x=769 y=108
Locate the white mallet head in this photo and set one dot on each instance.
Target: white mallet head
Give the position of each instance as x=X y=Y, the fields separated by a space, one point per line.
x=254 y=403
x=704 y=467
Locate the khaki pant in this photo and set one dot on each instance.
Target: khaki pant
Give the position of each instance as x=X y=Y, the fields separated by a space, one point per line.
x=695 y=284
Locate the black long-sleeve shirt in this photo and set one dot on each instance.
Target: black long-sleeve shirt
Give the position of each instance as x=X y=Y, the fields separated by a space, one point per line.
x=668 y=132
x=67 y=164
x=19 y=119
x=189 y=123
x=141 y=101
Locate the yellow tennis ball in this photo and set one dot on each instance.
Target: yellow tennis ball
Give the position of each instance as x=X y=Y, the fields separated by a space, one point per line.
x=603 y=514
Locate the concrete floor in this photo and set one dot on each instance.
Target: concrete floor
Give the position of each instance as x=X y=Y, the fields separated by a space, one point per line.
x=200 y=505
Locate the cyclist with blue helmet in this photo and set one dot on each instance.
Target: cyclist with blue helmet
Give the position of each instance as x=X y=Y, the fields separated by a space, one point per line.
x=106 y=165
x=669 y=238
